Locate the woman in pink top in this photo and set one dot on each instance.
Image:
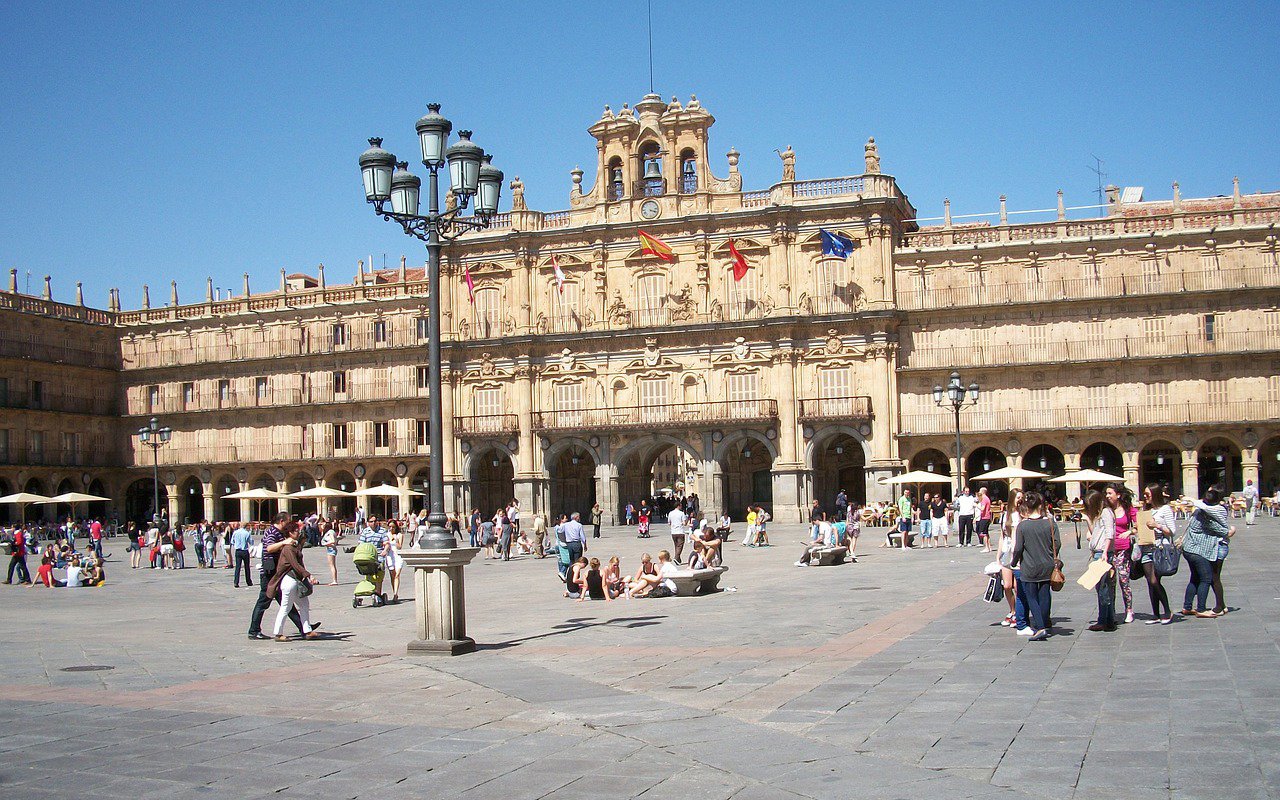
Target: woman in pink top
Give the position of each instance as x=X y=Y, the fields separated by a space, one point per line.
x=1120 y=501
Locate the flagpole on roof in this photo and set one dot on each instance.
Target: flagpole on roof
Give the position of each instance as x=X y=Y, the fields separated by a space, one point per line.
x=650 y=46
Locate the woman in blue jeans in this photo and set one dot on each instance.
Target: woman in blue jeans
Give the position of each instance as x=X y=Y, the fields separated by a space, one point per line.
x=1035 y=548
x=1208 y=529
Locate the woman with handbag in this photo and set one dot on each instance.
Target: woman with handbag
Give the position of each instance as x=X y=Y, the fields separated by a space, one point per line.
x=1159 y=532
x=1102 y=533
x=1035 y=553
x=293 y=583
x=1120 y=501
x=1208 y=528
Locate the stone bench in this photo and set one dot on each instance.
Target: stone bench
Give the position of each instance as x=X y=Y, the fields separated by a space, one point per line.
x=828 y=556
x=691 y=582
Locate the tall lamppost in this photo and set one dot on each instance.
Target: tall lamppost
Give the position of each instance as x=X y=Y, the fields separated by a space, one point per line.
x=954 y=395
x=155 y=437
x=388 y=180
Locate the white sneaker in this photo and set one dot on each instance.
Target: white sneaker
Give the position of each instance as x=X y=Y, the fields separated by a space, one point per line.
x=1026 y=632
x=1128 y=618
x=801 y=564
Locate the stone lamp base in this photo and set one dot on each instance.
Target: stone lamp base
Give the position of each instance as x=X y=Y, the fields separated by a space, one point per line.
x=440 y=601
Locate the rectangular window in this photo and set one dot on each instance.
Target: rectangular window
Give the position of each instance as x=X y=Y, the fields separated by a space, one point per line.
x=380 y=331
x=651 y=295
x=4 y=391
x=188 y=396
x=1040 y=402
x=488 y=402
x=1273 y=390
x=37 y=394
x=980 y=341
x=1210 y=327
x=422 y=327
x=4 y=445
x=744 y=390
x=488 y=312
x=1158 y=395
x=424 y=378
x=977 y=279
x=424 y=434
x=339 y=333
x=339 y=383
x=153 y=399
x=261 y=391
x=569 y=402
x=35 y=446
x=381 y=434
x=1094 y=334
x=1038 y=340
x=1273 y=326
x=565 y=301
x=70 y=448
x=224 y=393
x=1217 y=392
x=1153 y=330
x=742 y=295
x=1151 y=274
x=339 y=436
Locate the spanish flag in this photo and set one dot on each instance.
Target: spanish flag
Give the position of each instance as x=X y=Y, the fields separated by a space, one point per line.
x=656 y=247
x=739 y=263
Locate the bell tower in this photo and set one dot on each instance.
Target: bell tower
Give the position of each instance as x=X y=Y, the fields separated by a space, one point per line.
x=652 y=160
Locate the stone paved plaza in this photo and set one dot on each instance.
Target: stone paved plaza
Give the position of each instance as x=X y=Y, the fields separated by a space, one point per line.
x=889 y=678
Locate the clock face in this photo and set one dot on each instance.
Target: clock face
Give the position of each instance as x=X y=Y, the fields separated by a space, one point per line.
x=649 y=209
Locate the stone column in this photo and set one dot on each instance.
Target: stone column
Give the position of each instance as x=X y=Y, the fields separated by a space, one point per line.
x=402 y=483
x=284 y=504
x=454 y=484
x=788 y=471
x=440 y=601
x=246 y=506
x=1249 y=467
x=710 y=481
x=1131 y=478
x=171 y=492
x=1191 y=473
x=1072 y=489
x=208 y=502
x=362 y=501
x=884 y=461
x=526 y=474
x=607 y=487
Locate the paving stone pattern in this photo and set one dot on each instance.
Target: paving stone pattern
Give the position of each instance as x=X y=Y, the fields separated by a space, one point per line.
x=889 y=678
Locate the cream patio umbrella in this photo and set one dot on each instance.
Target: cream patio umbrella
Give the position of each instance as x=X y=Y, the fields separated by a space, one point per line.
x=319 y=494
x=72 y=498
x=1087 y=477
x=22 y=500
x=381 y=490
x=916 y=477
x=258 y=496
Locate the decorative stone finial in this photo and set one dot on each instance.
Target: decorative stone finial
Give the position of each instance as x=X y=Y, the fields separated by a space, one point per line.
x=320 y=270
x=13 y=281
x=113 y=300
x=871 y=154
x=1004 y=211
x=48 y=288
x=404 y=272
x=246 y=285
x=946 y=212
x=173 y=293
x=284 y=282
x=1062 y=209
x=208 y=290
x=575 y=175
x=1235 y=192
x=733 y=156
x=146 y=296
x=79 y=293
x=1177 y=197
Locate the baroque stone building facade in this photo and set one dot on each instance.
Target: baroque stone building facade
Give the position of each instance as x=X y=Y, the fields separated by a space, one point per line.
x=1144 y=341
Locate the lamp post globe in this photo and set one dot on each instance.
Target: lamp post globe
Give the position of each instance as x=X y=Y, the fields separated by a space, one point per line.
x=490 y=188
x=464 y=158
x=376 y=166
x=405 y=189
x=433 y=136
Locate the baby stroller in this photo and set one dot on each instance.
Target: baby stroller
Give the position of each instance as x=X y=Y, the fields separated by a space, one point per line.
x=365 y=558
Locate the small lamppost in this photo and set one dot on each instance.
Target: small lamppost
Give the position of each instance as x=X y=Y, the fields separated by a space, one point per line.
x=955 y=396
x=154 y=436
x=474 y=181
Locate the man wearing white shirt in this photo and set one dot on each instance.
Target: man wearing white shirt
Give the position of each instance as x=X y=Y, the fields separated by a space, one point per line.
x=677 y=518
x=966 y=508
x=1250 y=494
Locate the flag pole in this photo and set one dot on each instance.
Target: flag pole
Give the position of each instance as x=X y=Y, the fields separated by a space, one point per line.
x=650 y=46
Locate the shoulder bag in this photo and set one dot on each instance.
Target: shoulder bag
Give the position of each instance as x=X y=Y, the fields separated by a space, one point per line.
x=1056 y=579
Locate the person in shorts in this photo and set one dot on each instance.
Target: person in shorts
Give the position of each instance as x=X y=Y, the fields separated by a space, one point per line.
x=926 y=522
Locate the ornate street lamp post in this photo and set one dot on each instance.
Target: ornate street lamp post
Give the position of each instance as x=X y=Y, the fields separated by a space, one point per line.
x=155 y=437
x=954 y=395
x=473 y=180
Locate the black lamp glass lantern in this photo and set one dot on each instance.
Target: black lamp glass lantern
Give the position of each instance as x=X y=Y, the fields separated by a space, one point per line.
x=490 y=187
x=433 y=136
x=464 y=165
x=405 y=190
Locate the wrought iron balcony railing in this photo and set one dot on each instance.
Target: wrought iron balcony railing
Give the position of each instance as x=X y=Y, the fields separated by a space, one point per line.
x=849 y=407
x=681 y=415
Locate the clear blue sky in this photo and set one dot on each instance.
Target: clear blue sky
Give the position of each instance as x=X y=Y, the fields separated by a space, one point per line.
x=149 y=144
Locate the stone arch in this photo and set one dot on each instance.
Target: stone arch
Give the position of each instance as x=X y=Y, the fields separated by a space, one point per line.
x=1269 y=465
x=1048 y=459
x=297 y=482
x=826 y=432
x=840 y=464
x=1103 y=456
x=490 y=470
x=341 y=508
x=745 y=462
x=223 y=509
x=1220 y=465
x=99 y=508
x=190 y=501
x=571 y=479
x=419 y=490
x=383 y=507
x=636 y=464
x=8 y=513
x=730 y=439
x=1160 y=461
x=986 y=458
x=263 y=510
x=139 y=500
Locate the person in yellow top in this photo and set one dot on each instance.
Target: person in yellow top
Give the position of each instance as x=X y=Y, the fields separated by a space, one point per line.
x=750 y=539
x=905 y=507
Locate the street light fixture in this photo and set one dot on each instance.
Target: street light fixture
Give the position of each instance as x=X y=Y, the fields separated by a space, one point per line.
x=154 y=436
x=955 y=396
x=389 y=181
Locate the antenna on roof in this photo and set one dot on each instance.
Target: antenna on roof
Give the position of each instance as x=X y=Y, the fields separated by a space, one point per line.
x=650 y=46
x=1096 y=169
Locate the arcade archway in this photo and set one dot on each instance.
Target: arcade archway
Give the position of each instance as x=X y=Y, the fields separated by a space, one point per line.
x=746 y=473
x=492 y=477
x=1220 y=466
x=983 y=460
x=139 y=501
x=572 y=482
x=1161 y=462
x=839 y=464
x=190 y=501
x=1047 y=459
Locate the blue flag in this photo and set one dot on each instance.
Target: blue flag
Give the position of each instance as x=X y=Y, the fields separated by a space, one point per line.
x=835 y=244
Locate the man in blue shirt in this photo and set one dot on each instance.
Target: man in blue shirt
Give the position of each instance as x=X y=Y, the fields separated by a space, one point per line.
x=374 y=534
x=575 y=537
x=241 y=541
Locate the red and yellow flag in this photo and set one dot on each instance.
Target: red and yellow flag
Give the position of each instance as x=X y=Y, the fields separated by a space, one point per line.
x=656 y=247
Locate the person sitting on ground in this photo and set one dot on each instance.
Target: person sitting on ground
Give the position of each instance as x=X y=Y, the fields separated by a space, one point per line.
x=574 y=578
x=593 y=585
x=724 y=527
x=613 y=580
x=95 y=575
x=651 y=582
x=830 y=538
x=44 y=575
x=75 y=573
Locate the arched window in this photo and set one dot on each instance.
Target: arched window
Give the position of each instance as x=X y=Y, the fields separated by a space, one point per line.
x=616 y=181
x=651 y=181
x=688 y=172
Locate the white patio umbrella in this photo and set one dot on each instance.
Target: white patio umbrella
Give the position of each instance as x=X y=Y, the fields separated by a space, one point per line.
x=1087 y=476
x=1008 y=474
x=381 y=490
x=22 y=500
x=319 y=492
x=72 y=498
x=258 y=496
